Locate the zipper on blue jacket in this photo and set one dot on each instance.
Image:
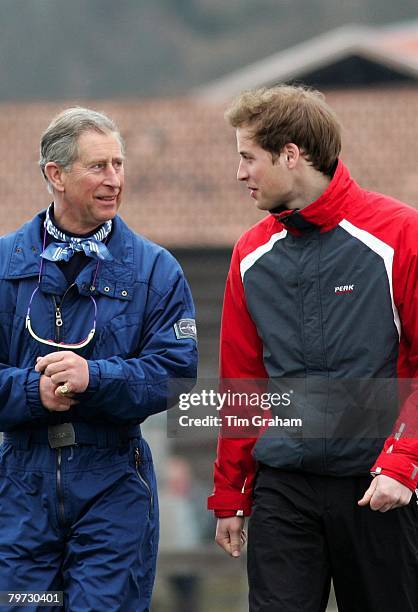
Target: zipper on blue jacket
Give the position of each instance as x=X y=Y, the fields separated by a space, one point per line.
x=58 y=325
x=61 y=509
x=142 y=479
x=58 y=319
x=58 y=313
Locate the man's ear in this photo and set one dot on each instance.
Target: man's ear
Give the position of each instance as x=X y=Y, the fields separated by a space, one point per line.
x=291 y=154
x=53 y=173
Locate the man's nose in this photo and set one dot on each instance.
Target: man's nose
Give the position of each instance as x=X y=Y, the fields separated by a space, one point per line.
x=112 y=176
x=242 y=174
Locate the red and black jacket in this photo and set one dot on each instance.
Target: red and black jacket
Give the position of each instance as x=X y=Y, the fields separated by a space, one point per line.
x=327 y=293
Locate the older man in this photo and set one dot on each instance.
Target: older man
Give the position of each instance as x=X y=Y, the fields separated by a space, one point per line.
x=94 y=322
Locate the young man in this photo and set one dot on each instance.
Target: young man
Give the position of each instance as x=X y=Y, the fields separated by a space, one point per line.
x=90 y=334
x=322 y=294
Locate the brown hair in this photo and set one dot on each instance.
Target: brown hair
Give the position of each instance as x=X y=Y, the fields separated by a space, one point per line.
x=287 y=113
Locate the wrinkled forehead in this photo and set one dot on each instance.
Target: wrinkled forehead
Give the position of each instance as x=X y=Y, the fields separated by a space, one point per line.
x=93 y=144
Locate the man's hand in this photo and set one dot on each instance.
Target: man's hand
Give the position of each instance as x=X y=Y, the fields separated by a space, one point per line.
x=230 y=534
x=386 y=493
x=50 y=399
x=65 y=368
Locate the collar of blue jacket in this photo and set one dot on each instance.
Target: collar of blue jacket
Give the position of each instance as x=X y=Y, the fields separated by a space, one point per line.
x=115 y=278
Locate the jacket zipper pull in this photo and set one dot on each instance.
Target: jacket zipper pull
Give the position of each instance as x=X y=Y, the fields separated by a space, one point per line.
x=137 y=458
x=58 y=319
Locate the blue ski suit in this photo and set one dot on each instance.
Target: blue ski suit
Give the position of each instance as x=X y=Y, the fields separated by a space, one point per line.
x=81 y=515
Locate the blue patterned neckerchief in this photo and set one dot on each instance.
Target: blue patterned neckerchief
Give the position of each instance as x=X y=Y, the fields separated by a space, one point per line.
x=68 y=245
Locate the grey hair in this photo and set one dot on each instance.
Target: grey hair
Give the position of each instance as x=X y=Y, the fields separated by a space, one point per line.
x=59 y=141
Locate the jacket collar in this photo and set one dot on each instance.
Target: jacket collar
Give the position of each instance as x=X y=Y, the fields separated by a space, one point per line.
x=115 y=278
x=329 y=209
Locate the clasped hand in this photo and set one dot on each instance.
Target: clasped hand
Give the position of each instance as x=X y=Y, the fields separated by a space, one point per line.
x=59 y=369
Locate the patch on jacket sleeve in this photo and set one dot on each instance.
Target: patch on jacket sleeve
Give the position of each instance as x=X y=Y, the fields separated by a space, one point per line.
x=185 y=328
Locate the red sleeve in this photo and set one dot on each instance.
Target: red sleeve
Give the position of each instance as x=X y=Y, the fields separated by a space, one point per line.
x=241 y=356
x=399 y=457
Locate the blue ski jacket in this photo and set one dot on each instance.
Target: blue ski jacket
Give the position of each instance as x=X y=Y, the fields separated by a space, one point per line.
x=145 y=332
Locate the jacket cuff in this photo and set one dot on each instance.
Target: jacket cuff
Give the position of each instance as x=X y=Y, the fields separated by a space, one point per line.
x=94 y=376
x=397 y=466
x=229 y=503
x=227 y=513
x=33 y=398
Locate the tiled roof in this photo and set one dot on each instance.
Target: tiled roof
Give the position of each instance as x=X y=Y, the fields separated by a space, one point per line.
x=181 y=161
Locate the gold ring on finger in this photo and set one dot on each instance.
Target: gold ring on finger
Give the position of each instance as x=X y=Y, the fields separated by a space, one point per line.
x=64 y=389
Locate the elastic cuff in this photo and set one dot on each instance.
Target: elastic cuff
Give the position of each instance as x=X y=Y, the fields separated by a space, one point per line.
x=228 y=513
x=33 y=398
x=223 y=505
x=407 y=482
x=94 y=376
x=399 y=467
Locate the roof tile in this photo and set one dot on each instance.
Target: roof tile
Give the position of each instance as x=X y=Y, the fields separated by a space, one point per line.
x=181 y=188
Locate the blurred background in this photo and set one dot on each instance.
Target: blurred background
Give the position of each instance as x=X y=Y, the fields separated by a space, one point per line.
x=165 y=71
